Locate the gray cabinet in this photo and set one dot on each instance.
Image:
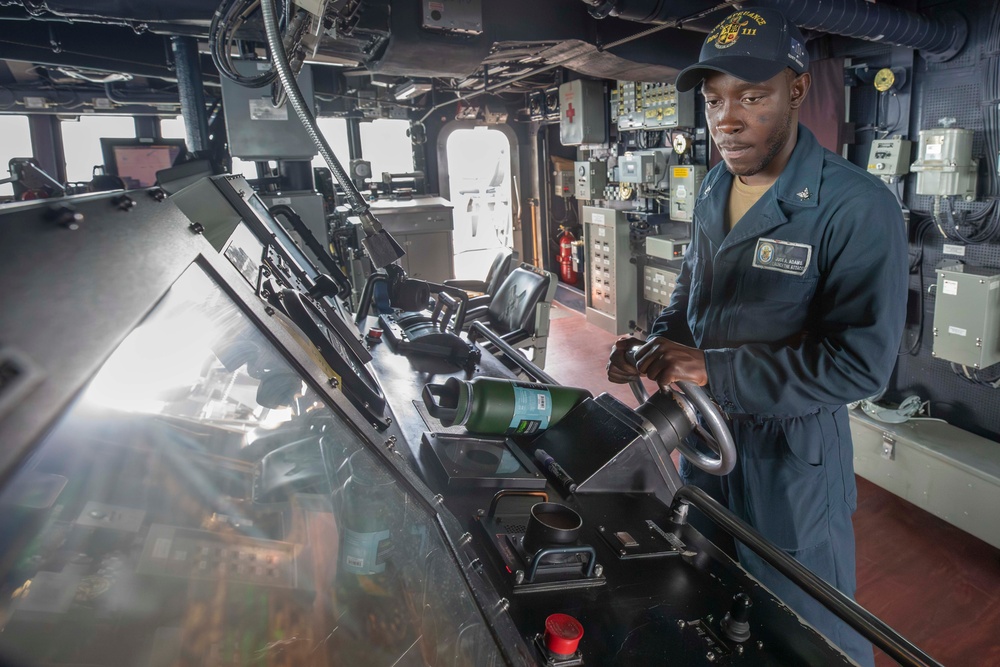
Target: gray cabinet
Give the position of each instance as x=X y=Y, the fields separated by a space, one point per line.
x=424 y=226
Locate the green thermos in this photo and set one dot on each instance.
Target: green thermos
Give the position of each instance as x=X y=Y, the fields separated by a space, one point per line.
x=501 y=407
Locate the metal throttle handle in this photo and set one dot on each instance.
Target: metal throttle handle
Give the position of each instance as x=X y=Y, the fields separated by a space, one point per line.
x=693 y=400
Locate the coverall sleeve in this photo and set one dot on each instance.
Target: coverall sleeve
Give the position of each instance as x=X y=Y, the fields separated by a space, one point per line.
x=849 y=346
x=672 y=322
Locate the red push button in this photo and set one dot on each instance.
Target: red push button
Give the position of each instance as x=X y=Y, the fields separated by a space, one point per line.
x=562 y=634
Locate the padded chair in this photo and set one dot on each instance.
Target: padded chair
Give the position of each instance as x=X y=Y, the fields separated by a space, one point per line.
x=519 y=312
x=481 y=292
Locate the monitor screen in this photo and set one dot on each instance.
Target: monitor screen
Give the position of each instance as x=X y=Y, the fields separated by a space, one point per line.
x=136 y=161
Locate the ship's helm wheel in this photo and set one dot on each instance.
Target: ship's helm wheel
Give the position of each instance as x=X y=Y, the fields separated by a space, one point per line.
x=675 y=411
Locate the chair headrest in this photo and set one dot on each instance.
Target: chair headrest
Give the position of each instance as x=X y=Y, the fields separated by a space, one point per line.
x=513 y=306
x=498 y=270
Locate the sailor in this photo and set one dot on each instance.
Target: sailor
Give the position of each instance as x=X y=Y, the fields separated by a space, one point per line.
x=790 y=304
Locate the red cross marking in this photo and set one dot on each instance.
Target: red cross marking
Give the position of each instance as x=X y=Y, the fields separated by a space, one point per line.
x=570 y=112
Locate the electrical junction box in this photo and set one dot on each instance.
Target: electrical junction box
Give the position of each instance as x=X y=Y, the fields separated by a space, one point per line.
x=967 y=316
x=666 y=247
x=685 y=181
x=562 y=181
x=658 y=284
x=591 y=179
x=889 y=157
x=647 y=168
x=257 y=129
x=583 y=113
x=945 y=165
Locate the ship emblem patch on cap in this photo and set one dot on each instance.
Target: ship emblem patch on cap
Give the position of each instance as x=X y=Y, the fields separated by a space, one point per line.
x=729 y=31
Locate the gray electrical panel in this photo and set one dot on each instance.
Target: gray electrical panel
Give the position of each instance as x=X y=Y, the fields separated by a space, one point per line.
x=257 y=129
x=591 y=179
x=583 y=117
x=667 y=246
x=658 y=284
x=945 y=165
x=647 y=168
x=889 y=157
x=562 y=183
x=612 y=298
x=967 y=316
x=685 y=181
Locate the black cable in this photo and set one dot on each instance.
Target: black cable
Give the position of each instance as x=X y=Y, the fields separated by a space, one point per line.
x=227 y=20
x=917 y=266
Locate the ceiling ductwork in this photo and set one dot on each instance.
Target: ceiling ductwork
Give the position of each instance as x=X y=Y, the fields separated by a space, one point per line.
x=937 y=38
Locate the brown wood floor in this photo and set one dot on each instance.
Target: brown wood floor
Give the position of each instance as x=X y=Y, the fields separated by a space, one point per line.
x=936 y=585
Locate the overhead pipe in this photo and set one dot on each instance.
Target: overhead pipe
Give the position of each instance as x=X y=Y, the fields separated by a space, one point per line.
x=191 y=90
x=938 y=38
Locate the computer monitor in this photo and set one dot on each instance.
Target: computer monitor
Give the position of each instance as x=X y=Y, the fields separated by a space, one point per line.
x=136 y=161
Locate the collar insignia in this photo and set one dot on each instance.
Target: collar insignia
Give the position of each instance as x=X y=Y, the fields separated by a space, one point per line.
x=804 y=195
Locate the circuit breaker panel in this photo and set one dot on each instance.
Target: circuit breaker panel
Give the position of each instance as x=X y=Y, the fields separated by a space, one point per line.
x=637 y=105
x=611 y=277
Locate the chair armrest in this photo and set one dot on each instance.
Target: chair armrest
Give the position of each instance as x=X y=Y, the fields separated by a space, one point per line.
x=468 y=285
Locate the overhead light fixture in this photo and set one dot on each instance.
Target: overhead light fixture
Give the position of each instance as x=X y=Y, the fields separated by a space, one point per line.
x=410 y=89
x=95 y=76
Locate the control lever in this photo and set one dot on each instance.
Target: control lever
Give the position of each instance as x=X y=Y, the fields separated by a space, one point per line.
x=341 y=283
x=674 y=412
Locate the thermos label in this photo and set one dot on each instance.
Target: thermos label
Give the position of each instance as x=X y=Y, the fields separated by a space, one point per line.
x=366 y=553
x=532 y=408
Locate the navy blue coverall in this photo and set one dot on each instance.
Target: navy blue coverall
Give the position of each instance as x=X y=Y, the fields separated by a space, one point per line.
x=799 y=310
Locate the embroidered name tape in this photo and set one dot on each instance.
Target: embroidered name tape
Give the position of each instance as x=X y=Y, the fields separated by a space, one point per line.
x=782 y=256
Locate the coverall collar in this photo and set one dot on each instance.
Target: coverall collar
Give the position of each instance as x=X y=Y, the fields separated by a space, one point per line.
x=797 y=186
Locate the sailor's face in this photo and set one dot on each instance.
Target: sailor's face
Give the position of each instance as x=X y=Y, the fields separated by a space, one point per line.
x=751 y=123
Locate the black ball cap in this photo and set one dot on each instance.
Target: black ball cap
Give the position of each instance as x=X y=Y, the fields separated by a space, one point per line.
x=752 y=45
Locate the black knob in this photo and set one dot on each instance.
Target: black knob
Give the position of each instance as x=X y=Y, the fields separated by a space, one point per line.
x=64 y=215
x=158 y=194
x=736 y=623
x=124 y=202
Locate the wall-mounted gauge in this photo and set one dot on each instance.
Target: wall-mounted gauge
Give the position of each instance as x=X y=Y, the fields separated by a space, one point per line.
x=885 y=78
x=680 y=143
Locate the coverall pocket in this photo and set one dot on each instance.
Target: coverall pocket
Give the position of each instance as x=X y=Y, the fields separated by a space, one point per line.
x=787 y=495
x=772 y=305
x=804 y=437
x=764 y=285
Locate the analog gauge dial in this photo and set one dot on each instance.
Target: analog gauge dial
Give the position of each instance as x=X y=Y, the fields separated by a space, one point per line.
x=884 y=79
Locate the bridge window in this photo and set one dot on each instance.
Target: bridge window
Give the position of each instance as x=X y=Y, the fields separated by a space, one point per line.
x=16 y=143
x=335 y=132
x=384 y=143
x=173 y=128
x=82 y=142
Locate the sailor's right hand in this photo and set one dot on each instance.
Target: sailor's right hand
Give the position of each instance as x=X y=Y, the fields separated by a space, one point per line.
x=621 y=369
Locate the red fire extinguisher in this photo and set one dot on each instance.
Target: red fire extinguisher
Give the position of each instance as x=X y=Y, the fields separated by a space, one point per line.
x=566 y=272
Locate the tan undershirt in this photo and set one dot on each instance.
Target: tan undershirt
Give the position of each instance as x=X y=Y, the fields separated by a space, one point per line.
x=742 y=197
